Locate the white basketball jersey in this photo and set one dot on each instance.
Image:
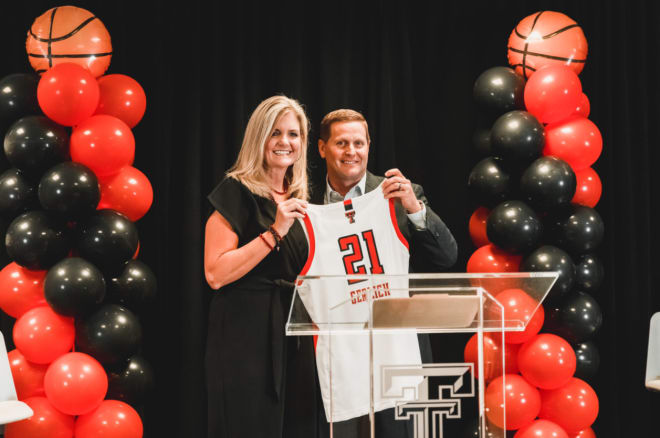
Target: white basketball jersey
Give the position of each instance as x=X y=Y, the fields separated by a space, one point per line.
x=357 y=236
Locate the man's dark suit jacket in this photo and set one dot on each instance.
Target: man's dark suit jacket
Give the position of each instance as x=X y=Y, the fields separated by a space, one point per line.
x=432 y=249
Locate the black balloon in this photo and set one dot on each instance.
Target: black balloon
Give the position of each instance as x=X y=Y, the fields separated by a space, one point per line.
x=481 y=141
x=17 y=193
x=514 y=227
x=111 y=334
x=4 y=259
x=548 y=183
x=108 y=239
x=36 y=143
x=550 y=258
x=589 y=273
x=74 y=287
x=588 y=360
x=131 y=381
x=576 y=318
x=499 y=90
x=36 y=240
x=488 y=182
x=70 y=190
x=135 y=287
x=18 y=98
x=578 y=229
x=518 y=138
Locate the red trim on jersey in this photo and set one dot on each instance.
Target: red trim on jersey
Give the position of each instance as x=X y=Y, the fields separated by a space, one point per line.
x=312 y=245
x=396 y=225
x=310 y=256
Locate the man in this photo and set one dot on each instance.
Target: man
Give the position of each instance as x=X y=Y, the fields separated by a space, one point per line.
x=344 y=145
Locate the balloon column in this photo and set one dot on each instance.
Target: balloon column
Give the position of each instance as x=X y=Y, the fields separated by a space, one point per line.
x=71 y=196
x=535 y=195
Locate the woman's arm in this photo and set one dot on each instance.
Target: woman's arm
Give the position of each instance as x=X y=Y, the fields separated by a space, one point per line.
x=225 y=262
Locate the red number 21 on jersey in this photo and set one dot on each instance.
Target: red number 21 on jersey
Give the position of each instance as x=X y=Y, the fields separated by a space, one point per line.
x=354 y=256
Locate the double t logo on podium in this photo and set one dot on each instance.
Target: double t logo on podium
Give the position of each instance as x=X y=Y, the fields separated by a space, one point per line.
x=439 y=395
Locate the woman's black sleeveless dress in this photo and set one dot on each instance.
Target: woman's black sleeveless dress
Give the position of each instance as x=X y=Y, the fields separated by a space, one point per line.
x=260 y=383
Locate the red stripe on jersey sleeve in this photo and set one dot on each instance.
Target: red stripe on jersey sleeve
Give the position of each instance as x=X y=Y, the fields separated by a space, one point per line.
x=396 y=225
x=310 y=256
x=312 y=245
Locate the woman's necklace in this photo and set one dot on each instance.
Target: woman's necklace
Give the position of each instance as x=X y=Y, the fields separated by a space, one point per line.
x=286 y=188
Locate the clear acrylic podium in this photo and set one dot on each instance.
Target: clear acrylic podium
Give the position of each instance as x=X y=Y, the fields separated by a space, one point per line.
x=370 y=335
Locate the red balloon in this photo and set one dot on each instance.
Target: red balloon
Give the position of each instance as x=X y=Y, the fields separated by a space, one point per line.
x=490 y=258
x=492 y=351
x=42 y=335
x=574 y=406
x=112 y=419
x=576 y=141
x=589 y=188
x=68 y=94
x=553 y=93
x=47 y=422
x=28 y=376
x=128 y=192
x=76 y=383
x=137 y=251
x=584 y=433
x=541 y=429
x=584 y=107
x=518 y=306
x=21 y=289
x=122 y=97
x=547 y=361
x=103 y=143
x=478 y=227
x=511 y=358
x=523 y=402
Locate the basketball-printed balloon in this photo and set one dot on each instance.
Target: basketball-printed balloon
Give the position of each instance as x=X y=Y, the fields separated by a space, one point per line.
x=547 y=38
x=69 y=34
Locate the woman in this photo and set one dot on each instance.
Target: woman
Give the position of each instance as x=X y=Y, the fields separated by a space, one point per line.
x=253 y=248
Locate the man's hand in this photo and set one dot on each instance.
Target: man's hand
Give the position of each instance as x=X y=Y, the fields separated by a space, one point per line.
x=398 y=187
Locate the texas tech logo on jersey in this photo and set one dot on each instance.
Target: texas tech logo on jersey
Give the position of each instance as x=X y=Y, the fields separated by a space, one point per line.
x=349 y=211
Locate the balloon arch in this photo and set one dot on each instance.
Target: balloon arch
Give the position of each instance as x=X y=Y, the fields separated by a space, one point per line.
x=536 y=192
x=70 y=197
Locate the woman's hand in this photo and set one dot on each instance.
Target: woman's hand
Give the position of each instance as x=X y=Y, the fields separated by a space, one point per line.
x=287 y=212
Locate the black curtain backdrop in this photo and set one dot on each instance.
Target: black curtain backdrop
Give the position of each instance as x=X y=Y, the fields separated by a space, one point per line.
x=410 y=69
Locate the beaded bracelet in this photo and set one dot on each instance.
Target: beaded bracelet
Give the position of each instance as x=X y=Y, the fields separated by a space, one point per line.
x=266 y=242
x=276 y=236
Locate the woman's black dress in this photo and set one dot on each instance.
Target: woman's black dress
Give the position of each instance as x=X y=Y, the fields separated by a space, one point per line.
x=260 y=383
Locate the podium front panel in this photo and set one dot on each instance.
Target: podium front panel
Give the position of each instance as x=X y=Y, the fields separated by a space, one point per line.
x=403 y=356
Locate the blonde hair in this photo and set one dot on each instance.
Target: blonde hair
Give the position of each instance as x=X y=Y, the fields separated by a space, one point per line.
x=250 y=166
x=341 y=115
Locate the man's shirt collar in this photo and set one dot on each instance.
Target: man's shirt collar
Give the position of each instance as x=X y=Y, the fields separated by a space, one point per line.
x=332 y=196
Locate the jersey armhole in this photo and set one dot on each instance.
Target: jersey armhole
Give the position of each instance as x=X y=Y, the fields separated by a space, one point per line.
x=310 y=257
x=312 y=245
x=396 y=225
